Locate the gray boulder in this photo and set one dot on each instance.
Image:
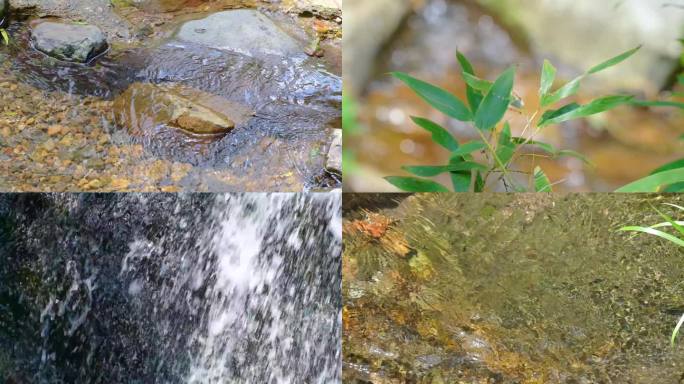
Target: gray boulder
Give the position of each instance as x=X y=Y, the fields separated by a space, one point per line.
x=334 y=164
x=4 y=9
x=244 y=31
x=69 y=42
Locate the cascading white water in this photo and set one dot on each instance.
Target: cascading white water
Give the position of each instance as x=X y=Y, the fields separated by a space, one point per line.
x=256 y=299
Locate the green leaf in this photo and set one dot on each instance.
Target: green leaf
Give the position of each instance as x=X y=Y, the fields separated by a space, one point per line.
x=434 y=170
x=5 y=36
x=439 y=134
x=553 y=113
x=613 y=61
x=654 y=182
x=597 y=106
x=474 y=96
x=437 y=97
x=411 y=184
x=676 y=331
x=496 y=102
x=567 y=90
x=461 y=181
x=476 y=83
x=479 y=182
x=575 y=154
x=506 y=148
x=547 y=78
x=674 y=188
x=469 y=147
x=663 y=103
x=655 y=232
x=670 y=221
x=670 y=166
x=551 y=149
x=544 y=146
x=541 y=181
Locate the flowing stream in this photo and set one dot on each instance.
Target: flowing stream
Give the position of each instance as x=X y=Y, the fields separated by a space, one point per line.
x=170 y=289
x=62 y=129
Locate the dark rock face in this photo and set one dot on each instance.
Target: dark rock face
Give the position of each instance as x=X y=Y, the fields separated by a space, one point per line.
x=129 y=288
x=69 y=42
x=4 y=9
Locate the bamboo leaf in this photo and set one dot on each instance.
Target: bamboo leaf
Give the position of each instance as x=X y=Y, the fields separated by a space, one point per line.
x=541 y=181
x=476 y=83
x=547 y=78
x=469 y=147
x=676 y=331
x=496 y=102
x=654 y=182
x=505 y=148
x=439 y=134
x=670 y=166
x=474 y=96
x=437 y=97
x=567 y=90
x=655 y=232
x=434 y=170
x=613 y=61
x=412 y=184
x=597 y=106
x=479 y=182
x=553 y=113
x=461 y=181
x=575 y=154
x=663 y=103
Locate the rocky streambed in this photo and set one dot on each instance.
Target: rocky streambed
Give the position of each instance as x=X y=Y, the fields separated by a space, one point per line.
x=156 y=95
x=520 y=288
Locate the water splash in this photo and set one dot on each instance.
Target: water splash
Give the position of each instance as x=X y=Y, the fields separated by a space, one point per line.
x=240 y=288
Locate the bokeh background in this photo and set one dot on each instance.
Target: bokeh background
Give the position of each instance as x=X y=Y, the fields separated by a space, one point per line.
x=421 y=37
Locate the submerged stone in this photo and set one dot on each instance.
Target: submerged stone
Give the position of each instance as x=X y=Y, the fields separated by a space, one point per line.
x=244 y=31
x=144 y=108
x=334 y=163
x=69 y=42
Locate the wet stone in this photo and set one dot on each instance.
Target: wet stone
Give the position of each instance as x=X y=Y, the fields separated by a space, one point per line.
x=244 y=31
x=334 y=163
x=69 y=42
x=326 y=9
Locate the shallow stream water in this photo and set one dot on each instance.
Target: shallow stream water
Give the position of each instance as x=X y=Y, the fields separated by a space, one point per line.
x=59 y=132
x=162 y=288
x=509 y=289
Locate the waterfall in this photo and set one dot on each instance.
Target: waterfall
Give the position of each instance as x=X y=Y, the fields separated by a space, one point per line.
x=239 y=288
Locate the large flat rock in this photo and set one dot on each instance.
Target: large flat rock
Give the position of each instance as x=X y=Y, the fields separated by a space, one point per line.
x=245 y=31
